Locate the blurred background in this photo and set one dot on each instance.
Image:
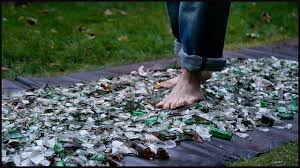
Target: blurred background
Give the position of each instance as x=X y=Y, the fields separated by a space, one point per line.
x=49 y=39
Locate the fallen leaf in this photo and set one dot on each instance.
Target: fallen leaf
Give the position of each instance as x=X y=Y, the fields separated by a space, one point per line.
x=276 y=162
x=54 y=64
x=123 y=38
x=107 y=12
x=53 y=30
x=81 y=28
x=253 y=35
x=5 y=69
x=20 y=18
x=123 y=12
x=46 y=11
x=31 y=21
x=91 y=36
x=60 y=18
x=266 y=17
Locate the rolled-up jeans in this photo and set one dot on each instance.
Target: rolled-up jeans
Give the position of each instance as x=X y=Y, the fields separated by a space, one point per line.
x=199 y=29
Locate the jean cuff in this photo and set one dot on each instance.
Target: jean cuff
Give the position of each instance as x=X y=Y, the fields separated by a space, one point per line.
x=194 y=63
x=177 y=47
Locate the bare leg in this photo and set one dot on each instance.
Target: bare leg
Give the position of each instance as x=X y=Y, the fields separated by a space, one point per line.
x=186 y=92
x=204 y=75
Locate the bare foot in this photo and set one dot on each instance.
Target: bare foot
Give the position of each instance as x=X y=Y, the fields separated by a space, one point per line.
x=186 y=92
x=169 y=83
x=204 y=75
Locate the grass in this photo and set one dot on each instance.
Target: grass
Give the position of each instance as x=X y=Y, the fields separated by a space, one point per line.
x=77 y=36
x=285 y=155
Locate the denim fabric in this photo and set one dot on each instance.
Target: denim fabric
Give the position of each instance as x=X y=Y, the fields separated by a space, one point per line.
x=177 y=47
x=201 y=27
x=173 y=13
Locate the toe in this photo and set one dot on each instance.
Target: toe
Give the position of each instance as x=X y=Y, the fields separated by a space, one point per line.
x=163 y=84
x=160 y=104
x=180 y=104
x=174 y=105
x=167 y=105
x=167 y=84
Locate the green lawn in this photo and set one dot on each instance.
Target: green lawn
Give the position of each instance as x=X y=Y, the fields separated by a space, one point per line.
x=77 y=36
x=286 y=155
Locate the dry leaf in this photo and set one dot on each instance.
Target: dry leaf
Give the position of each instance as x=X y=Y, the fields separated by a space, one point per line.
x=46 y=11
x=266 y=17
x=53 y=30
x=31 y=21
x=54 y=64
x=91 y=36
x=107 y=12
x=123 y=38
x=123 y=12
x=81 y=28
x=5 y=69
x=20 y=18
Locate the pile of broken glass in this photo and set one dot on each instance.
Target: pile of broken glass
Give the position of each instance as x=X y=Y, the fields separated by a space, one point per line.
x=92 y=124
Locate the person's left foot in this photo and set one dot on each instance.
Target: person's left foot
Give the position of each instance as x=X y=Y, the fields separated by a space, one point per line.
x=186 y=92
x=204 y=75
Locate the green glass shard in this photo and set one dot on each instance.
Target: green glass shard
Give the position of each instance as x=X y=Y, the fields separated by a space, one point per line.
x=218 y=133
x=281 y=109
x=16 y=136
x=189 y=122
x=294 y=107
x=201 y=120
x=137 y=113
x=201 y=106
x=99 y=157
x=109 y=77
x=151 y=121
x=264 y=103
x=60 y=163
x=287 y=116
x=58 y=148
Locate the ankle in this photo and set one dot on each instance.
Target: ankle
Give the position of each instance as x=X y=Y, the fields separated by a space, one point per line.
x=191 y=76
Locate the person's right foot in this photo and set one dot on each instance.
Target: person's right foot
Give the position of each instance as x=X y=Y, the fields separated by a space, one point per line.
x=186 y=92
x=204 y=75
